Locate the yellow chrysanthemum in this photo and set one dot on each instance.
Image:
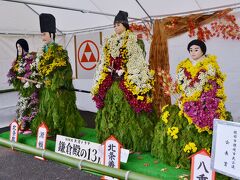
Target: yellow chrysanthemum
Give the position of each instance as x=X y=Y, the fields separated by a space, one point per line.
x=49 y=62
x=190 y=147
x=165 y=116
x=164 y=107
x=173 y=131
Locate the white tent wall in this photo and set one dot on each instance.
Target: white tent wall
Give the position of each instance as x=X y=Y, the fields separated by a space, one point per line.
x=84 y=100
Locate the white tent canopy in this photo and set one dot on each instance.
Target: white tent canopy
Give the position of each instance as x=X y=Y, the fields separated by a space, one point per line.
x=21 y=16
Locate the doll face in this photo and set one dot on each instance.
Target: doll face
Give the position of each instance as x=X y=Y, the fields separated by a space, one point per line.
x=119 y=28
x=46 y=37
x=195 y=52
x=19 y=49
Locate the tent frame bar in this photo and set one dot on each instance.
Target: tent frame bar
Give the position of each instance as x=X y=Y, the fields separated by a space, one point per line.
x=144 y=11
x=67 y=8
x=93 y=29
x=205 y=10
x=38 y=15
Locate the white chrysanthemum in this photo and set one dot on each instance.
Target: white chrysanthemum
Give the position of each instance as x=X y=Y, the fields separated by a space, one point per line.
x=137 y=68
x=211 y=70
x=20 y=70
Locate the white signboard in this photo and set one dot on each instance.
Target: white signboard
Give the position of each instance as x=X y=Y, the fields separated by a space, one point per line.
x=84 y=150
x=226 y=148
x=14 y=131
x=112 y=154
x=79 y=149
x=201 y=168
x=41 y=138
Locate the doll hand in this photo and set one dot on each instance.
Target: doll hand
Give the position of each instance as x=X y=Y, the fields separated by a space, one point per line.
x=38 y=85
x=23 y=81
x=110 y=69
x=120 y=72
x=26 y=85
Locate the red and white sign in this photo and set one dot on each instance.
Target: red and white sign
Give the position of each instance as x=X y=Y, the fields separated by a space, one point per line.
x=87 y=54
x=14 y=131
x=200 y=166
x=112 y=154
x=41 y=138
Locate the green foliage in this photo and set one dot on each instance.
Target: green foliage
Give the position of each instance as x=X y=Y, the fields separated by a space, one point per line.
x=142 y=46
x=57 y=107
x=171 y=151
x=133 y=130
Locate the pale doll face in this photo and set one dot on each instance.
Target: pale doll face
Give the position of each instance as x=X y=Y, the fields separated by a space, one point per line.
x=19 y=49
x=119 y=28
x=195 y=52
x=46 y=38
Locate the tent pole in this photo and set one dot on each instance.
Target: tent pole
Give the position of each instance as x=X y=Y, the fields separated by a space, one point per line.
x=145 y=11
x=69 y=40
x=147 y=15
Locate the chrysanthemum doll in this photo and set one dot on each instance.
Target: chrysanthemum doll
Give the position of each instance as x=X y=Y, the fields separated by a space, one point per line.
x=25 y=67
x=123 y=90
x=186 y=127
x=57 y=106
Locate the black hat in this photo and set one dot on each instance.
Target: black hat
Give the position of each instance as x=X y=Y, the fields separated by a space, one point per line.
x=199 y=43
x=122 y=17
x=47 y=23
x=23 y=43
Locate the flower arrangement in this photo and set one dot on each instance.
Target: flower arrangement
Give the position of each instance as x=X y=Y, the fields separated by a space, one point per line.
x=141 y=30
x=225 y=26
x=166 y=82
x=137 y=81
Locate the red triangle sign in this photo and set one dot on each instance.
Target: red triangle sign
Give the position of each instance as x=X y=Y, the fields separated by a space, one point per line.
x=84 y=58
x=92 y=58
x=87 y=48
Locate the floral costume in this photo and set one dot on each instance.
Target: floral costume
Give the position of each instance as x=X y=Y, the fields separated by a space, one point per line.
x=124 y=101
x=187 y=127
